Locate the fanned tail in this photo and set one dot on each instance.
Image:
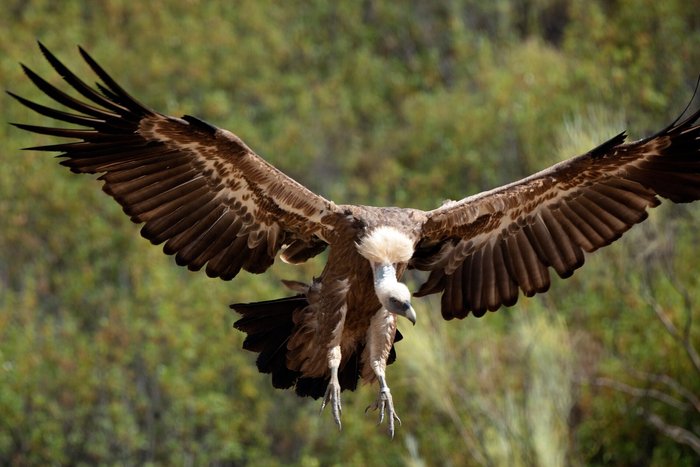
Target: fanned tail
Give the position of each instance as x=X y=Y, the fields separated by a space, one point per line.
x=269 y=325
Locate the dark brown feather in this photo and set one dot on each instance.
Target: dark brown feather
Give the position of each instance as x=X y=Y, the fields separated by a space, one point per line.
x=507 y=287
x=550 y=218
x=167 y=172
x=230 y=226
x=202 y=220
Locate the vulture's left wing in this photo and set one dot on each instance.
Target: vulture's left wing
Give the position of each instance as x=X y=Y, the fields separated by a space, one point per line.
x=485 y=248
x=197 y=188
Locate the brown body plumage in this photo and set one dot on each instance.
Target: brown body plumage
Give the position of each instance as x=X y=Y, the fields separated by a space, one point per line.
x=217 y=205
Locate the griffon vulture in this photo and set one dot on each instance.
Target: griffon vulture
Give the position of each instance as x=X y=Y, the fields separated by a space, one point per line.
x=217 y=205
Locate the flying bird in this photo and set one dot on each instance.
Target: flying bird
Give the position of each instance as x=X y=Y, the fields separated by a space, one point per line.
x=218 y=206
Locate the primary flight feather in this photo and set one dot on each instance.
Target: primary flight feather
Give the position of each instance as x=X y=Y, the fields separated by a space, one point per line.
x=217 y=205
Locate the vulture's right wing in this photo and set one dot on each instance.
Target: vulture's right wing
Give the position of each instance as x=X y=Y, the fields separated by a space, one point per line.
x=196 y=187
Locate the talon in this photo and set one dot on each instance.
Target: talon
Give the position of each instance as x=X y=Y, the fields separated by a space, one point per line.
x=382 y=403
x=332 y=398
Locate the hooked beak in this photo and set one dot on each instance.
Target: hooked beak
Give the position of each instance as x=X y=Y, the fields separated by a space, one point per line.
x=409 y=313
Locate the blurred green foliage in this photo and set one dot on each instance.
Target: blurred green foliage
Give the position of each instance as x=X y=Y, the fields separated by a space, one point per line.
x=110 y=354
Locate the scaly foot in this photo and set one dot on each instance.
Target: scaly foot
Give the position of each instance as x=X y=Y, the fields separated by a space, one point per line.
x=383 y=402
x=332 y=397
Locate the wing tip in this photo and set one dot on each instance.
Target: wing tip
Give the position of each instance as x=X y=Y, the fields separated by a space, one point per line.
x=605 y=147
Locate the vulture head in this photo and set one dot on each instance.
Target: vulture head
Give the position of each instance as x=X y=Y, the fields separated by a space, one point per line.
x=396 y=298
x=386 y=247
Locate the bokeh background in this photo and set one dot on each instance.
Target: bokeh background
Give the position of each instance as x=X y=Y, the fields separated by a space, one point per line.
x=111 y=354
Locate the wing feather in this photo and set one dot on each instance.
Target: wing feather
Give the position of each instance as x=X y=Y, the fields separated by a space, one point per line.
x=199 y=222
x=197 y=188
x=507 y=287
x=229 y=260
x=476 y=280
x=503 y=242
x=223 y=233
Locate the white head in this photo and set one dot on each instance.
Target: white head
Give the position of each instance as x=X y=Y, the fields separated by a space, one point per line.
x=395 y=297
x=384 y=248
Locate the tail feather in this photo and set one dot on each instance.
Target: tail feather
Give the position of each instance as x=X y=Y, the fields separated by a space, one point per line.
x=269 y=325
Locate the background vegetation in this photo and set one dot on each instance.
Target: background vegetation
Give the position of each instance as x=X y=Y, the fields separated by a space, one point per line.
x=111 y=354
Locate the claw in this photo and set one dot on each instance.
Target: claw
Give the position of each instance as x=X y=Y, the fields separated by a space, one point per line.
x=332 y=397
x=385 y=402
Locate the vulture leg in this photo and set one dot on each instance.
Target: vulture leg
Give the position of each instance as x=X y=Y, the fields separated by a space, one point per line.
x=332 y=396
x=380 y=338
x=385 y=402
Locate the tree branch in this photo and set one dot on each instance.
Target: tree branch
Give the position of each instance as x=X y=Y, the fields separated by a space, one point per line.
x=676 y=433
x=684 y=339
x=641 y=393
x=671 y=383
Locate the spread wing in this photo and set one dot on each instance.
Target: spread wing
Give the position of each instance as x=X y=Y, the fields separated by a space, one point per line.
x=483 y=250
x=196 y=187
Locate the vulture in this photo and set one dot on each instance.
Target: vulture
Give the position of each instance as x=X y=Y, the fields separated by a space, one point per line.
x=216 y=205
